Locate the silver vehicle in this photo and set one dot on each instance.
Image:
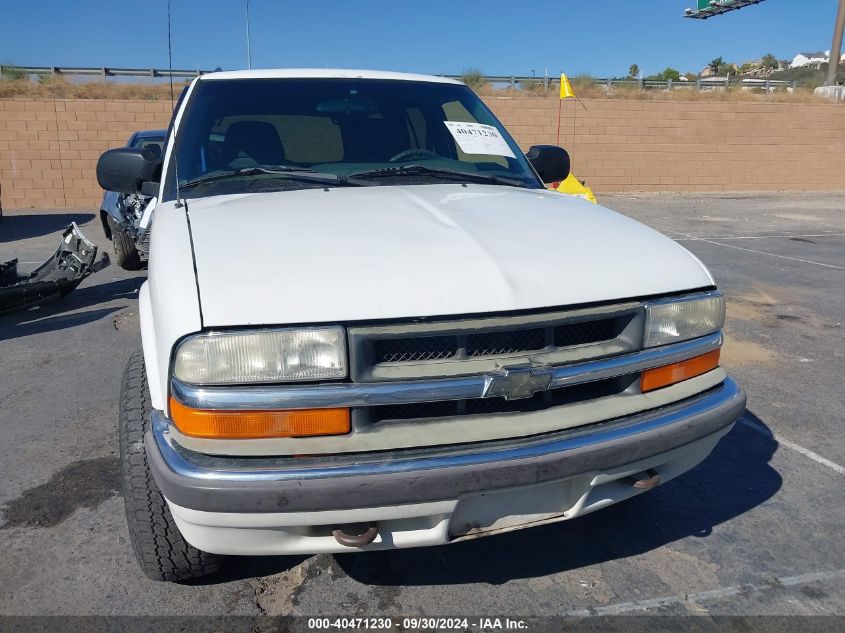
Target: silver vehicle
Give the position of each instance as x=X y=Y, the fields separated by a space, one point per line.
x=121 y=214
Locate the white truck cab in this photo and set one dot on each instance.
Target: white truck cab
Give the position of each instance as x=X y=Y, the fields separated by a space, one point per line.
x=369 y=325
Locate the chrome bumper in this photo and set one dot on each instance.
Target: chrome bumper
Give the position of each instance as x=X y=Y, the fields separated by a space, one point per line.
x=227 y=484
x=432 y=390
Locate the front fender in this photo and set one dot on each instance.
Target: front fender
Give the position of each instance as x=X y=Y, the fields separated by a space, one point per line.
x=169 y=308
x=109 y=205
x=148 y=343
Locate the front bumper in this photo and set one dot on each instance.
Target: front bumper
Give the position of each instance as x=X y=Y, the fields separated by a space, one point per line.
x=249 y=506
x=209 y=484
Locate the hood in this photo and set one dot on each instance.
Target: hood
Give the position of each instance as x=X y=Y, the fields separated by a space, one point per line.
x=350 y=254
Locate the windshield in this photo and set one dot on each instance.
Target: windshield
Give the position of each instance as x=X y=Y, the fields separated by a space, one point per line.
x=249 y=135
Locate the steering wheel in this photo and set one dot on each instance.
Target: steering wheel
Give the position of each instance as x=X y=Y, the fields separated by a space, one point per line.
x=413 y=154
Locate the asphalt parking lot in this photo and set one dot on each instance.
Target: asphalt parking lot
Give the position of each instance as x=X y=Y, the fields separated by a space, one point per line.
x=756 y=529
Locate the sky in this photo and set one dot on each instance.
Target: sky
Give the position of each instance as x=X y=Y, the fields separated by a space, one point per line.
x=597 y=37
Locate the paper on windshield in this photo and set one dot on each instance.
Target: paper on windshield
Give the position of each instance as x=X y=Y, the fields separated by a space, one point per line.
x=477 y=138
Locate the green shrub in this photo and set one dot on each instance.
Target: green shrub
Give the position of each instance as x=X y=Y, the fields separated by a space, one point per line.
x=473 y=78
x=13 y=73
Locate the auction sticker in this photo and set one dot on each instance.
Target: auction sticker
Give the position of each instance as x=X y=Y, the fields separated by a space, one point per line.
x=477 y=138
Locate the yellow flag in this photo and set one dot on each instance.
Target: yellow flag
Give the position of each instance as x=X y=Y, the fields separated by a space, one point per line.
x=566 y=90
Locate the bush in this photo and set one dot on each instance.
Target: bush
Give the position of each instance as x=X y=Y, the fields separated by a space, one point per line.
x=533 y=85
x=809 y=76
x=59 y=87
x=473 y=78
x=13 y=73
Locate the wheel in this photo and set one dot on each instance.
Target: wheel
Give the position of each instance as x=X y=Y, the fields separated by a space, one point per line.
x=125 y=251
x=159 y=547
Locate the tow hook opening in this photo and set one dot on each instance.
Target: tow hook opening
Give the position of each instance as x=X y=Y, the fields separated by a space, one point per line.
x=643 y=481
x=355 y=534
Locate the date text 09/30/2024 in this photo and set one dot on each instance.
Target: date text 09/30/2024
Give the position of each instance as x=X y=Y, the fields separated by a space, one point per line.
x=417 y=624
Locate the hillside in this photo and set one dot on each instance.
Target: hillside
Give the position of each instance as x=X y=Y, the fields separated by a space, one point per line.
x=808 y=77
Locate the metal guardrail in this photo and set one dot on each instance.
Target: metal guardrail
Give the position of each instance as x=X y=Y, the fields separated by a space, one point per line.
x=700 y=83
x=99 y=72
x=515 y=82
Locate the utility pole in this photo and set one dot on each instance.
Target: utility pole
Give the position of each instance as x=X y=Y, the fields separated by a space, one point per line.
x=836 y=47
x=248 y=51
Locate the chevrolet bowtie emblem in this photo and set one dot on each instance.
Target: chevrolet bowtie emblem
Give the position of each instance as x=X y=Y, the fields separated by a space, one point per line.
x=518 y=382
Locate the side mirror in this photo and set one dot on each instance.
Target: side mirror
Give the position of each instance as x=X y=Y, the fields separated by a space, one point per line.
x=126 y=169
x=550 y=161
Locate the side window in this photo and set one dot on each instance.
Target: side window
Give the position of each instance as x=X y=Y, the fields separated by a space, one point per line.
x=151 y=143
x=455 y=111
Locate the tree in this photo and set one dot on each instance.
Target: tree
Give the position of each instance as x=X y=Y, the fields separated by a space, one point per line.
x=716 y=64
x=634 y=71
x=769 y=61
x=671 y=73
x=725 y=69
x=668 y=73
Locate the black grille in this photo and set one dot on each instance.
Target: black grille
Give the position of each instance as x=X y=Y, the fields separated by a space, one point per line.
x=588 y=332
x=487 y=406
x=415 y=349
x=505 y=343
x=496 y=342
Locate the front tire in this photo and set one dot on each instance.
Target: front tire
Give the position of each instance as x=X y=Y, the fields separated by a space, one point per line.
x=125 y=252
x=159 y=547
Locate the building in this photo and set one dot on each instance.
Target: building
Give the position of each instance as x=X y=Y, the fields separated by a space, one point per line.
x=810 y=59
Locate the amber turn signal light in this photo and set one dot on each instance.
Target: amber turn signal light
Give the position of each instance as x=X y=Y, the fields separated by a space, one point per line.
x=676 y=372
x=248 y=425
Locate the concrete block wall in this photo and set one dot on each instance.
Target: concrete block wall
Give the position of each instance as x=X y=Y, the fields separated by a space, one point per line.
x=628 y=145
x=49 y=148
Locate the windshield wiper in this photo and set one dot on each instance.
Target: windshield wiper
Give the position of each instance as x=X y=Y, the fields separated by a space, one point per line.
x=293 y=173
x=410 y=170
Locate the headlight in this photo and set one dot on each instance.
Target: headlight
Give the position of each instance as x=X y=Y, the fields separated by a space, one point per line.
x=256 y=356
x=671 y=321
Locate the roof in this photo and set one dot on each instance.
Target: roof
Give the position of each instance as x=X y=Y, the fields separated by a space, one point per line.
x=324 y=73
x=816 y=54
x=147 y=133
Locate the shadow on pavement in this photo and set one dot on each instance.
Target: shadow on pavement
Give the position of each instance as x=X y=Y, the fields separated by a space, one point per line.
x=93 y=293
x=53 y=316
x=736 y=478
x=245 y=567
x=21 y=227
x=53 y=323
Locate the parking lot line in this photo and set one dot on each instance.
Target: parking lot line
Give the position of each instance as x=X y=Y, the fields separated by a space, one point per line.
x=622 y=608
x=751 y=250
x=756 y=237
x=806 y=452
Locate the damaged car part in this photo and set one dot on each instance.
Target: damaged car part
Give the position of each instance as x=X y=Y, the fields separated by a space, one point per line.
x=73 y=261
x=125 y=217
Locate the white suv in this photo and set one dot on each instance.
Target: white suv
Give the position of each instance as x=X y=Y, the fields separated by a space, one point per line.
x=368 y=325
